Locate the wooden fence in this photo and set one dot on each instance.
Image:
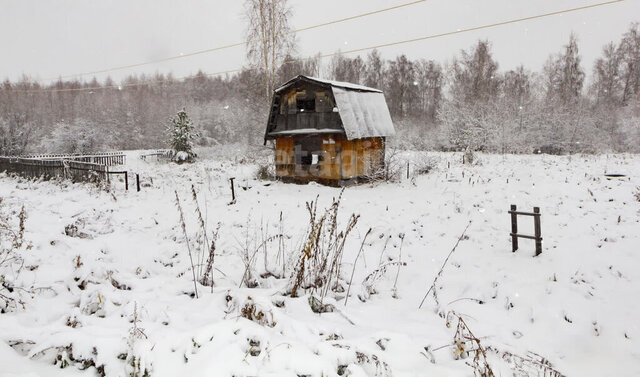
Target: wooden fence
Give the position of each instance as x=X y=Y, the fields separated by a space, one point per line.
x=159 y=154
x=102 y=158
x=76 y=167
x=47 y=169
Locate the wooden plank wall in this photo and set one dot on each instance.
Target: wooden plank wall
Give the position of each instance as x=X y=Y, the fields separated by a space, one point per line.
x=285 y=158
x=342 y=159
x=362 y=157
x=330 y=164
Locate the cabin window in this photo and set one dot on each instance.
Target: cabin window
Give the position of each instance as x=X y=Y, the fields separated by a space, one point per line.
x=306 y=104
x=308 y=150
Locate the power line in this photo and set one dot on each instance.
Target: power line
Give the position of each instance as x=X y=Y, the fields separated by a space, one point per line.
x=209 y=50
x=433 y=36
x=460 y=31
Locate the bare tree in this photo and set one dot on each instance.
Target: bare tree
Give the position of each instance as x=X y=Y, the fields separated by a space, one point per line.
x=293 y=66
x=269 y=37
x=430 y=80
x=374 y=70
x=346 y=69
x=401 y=86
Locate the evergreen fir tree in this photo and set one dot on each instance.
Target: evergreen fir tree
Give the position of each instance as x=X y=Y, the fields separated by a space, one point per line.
x=181 y=136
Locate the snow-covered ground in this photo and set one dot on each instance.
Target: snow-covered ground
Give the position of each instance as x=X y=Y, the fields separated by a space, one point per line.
x=573 y=309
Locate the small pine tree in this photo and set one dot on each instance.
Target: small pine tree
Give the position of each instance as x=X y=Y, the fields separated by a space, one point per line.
x=181 y=136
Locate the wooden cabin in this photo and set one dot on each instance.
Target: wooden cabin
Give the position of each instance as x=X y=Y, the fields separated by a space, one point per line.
x=327 y=131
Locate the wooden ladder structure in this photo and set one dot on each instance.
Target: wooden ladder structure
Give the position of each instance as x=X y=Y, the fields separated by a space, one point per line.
x=536 y=224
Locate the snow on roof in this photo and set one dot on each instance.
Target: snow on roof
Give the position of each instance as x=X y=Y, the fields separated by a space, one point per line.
x=303 y=131
x=339 y=84
x=363 y=114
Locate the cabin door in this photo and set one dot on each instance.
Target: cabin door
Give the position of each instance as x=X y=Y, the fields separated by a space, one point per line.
x=308 y=152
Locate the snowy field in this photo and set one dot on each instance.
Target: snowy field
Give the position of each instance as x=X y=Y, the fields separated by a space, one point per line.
x=107 y=285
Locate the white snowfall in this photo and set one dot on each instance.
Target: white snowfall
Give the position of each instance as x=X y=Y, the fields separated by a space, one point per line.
x=575 y=308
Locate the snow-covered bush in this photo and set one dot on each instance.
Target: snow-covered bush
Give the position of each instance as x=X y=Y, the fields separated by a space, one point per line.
x=265 y=172
x=15 y=134
x=137 y=365
x=11 y=242
x=79 y=136
x=182 y=135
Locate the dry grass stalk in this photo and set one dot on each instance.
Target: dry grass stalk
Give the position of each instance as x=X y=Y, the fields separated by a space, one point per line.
x=383 y=250
x=322 y=250
x=186 y=237
x=354 y=265
x=395 y=282
x=248 y=258
x=205 y=260
x=280 y=256
x=433 y=285
x=370 y=280
x=527 y=365
x=466 y=343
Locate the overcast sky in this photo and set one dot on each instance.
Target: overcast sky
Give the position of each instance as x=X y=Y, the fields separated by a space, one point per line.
x=46 y=39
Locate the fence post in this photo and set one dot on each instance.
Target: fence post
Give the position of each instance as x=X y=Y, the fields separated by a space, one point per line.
x=538 y=231
x=138 y=181
x=407 y=169
x=514 y=229
x=233 y=193
x=126 y=181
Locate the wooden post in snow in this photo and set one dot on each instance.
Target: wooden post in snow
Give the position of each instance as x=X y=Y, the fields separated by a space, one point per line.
x=537 y=230
x=537 y=237
x=233 y=192
x=514 y=229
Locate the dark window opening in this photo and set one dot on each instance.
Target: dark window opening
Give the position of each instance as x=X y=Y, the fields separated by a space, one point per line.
x=306 y=104
x=308 y=150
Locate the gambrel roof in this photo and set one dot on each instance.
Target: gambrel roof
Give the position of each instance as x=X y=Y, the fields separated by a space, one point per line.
x=363 y=110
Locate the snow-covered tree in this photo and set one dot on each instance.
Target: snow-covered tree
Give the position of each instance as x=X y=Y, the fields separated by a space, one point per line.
x=564 y=74
x=181 y=137
x=468 y=117
x=15 y=134
x=79 y=136
x=475 y=74
x=630 y=56
x=607 y=85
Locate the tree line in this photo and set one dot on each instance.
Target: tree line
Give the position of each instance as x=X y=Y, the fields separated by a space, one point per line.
x=467 y=102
